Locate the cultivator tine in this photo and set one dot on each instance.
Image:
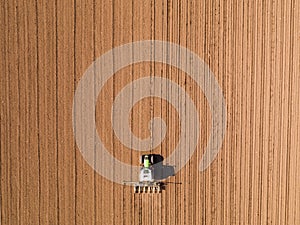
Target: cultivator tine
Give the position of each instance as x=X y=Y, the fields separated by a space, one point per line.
x=157 y=189
x=153 y=189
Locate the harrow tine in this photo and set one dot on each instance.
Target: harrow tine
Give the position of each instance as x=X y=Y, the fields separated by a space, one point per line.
x=151 y=188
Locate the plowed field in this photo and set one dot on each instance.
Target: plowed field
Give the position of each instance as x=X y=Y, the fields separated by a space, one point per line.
x=253 y=50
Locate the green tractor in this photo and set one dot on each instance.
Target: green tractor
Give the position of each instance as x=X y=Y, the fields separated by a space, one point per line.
x=147 y=182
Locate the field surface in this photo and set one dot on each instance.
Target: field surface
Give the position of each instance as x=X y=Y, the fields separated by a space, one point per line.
x=253 y=49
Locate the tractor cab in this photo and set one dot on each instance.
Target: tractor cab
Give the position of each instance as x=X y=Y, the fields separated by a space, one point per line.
x=146 y=173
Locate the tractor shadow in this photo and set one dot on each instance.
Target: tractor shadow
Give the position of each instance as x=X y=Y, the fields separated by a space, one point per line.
x=161 y=171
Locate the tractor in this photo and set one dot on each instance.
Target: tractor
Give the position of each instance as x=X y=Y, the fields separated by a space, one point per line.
x=149 y=181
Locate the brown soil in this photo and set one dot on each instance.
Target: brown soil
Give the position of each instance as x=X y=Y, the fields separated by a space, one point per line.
x=252 y=48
